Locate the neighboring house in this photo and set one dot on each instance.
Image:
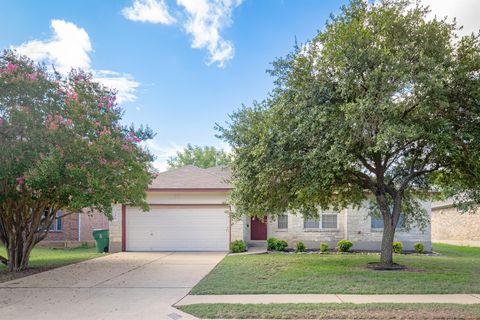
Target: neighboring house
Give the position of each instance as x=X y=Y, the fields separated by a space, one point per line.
x=75 y=228
x=189 y=211
x=451 y=226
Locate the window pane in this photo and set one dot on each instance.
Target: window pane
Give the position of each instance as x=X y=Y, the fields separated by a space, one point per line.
x=311 y=224
x=283 y=222
x=329 y=221
x=377 y=223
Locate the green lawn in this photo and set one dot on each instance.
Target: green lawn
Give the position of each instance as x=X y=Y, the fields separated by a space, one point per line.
x=47 y=258
x=333 y=311
x=455 y=270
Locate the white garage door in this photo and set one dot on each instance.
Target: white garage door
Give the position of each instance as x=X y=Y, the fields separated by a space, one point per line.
x=192 y=228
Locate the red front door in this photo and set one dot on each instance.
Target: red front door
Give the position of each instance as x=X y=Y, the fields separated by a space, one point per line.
x=258 y=229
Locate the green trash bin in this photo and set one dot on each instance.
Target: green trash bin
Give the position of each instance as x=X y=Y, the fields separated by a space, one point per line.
x=101 y=237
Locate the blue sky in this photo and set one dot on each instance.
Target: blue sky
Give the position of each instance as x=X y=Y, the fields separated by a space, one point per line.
x=180 y=65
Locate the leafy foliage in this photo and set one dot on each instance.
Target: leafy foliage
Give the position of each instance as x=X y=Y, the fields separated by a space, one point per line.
x=202 y=157
x=381 y=107
x=324 y=247
x=397 y=247
x=238 y=246
x=344 y=245
x=300 y=247
x=63 y=147
x=419 y=247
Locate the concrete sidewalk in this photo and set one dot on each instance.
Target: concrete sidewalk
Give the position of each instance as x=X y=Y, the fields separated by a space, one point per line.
x=331 y=298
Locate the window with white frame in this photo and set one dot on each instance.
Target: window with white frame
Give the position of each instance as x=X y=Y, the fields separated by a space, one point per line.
x=329 y=221
x=324 y=221
x=282 y=222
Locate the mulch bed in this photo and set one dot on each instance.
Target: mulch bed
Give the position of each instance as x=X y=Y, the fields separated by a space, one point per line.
x=8 y=276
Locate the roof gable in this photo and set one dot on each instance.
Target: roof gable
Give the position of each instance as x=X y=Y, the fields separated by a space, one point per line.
x=192 y=177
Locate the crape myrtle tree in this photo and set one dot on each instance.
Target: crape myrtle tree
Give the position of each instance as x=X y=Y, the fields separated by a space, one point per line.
x=202 y=157
x=381 y=107
x=62 y=148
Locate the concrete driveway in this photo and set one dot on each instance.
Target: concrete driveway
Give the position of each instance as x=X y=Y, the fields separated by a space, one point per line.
x=119 y=286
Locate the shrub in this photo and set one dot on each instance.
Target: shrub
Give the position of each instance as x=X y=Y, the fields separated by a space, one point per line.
x=281 y=245
x=272 y=244
x=324 y=247
x=419 y=247
x=301 y=247
x=344 y=245
x=238 y=246
x=397 y=247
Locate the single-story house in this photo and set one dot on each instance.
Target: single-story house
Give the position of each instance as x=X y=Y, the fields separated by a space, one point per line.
x=189 y=211
x=451 y=226
x=75 y=228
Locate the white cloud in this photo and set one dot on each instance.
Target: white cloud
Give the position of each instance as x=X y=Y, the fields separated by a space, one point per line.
x=69 y=47
x=163 y=153
x=203 y=20
x=153 y=11
x=123 y=83
x=466 y=12
x=206 y=18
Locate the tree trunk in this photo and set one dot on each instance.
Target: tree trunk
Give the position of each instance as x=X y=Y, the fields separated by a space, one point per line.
x=386 y=256
x=18 y=250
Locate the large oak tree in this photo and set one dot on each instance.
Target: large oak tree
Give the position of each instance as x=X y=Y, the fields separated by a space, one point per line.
x=62 y=148
x=383 y=105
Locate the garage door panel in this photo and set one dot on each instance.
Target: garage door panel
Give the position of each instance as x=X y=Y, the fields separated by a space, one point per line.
x=177 y=229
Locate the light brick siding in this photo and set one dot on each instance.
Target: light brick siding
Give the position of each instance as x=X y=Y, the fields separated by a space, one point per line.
x=451 y=226
x=237 y=230
x=353 y=224
x=116 y=229
x=365 y=238
x=311 y=238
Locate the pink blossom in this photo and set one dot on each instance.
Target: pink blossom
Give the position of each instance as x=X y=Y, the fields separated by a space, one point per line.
x=11 y=67
x=103 y=161
x=105 y=131
x=69 y=122
x=33 y=76
x=126 y=147
x=20 y=180
x=1 y=121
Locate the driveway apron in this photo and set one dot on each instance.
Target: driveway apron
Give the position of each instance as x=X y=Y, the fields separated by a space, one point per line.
x=130 y=285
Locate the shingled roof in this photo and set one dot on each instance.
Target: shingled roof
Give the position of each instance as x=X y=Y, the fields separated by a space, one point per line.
x=192 y=177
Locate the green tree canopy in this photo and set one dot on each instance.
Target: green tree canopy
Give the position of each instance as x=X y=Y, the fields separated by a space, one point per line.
x=202 y=157
x=62 y=147
x=378 y=106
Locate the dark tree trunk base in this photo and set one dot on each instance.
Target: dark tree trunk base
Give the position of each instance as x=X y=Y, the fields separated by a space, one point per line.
x=386 y=267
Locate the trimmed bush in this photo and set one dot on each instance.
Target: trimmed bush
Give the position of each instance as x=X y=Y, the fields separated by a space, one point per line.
x=300 y=247
x=272 y=244
x=397 y=247
x=324 y=247
x=419 y=247
x=281 y=245
x=344 y=245
x=238 y=246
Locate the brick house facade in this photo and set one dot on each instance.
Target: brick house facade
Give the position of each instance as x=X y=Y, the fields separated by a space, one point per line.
x=75 y=228
x=453 y=227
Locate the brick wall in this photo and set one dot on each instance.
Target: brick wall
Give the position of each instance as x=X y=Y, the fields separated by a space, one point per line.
x=359 y=231
x=311 y=238
x=69 y=230
x=451 y=226
x=89 y=222
x=115 y=227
